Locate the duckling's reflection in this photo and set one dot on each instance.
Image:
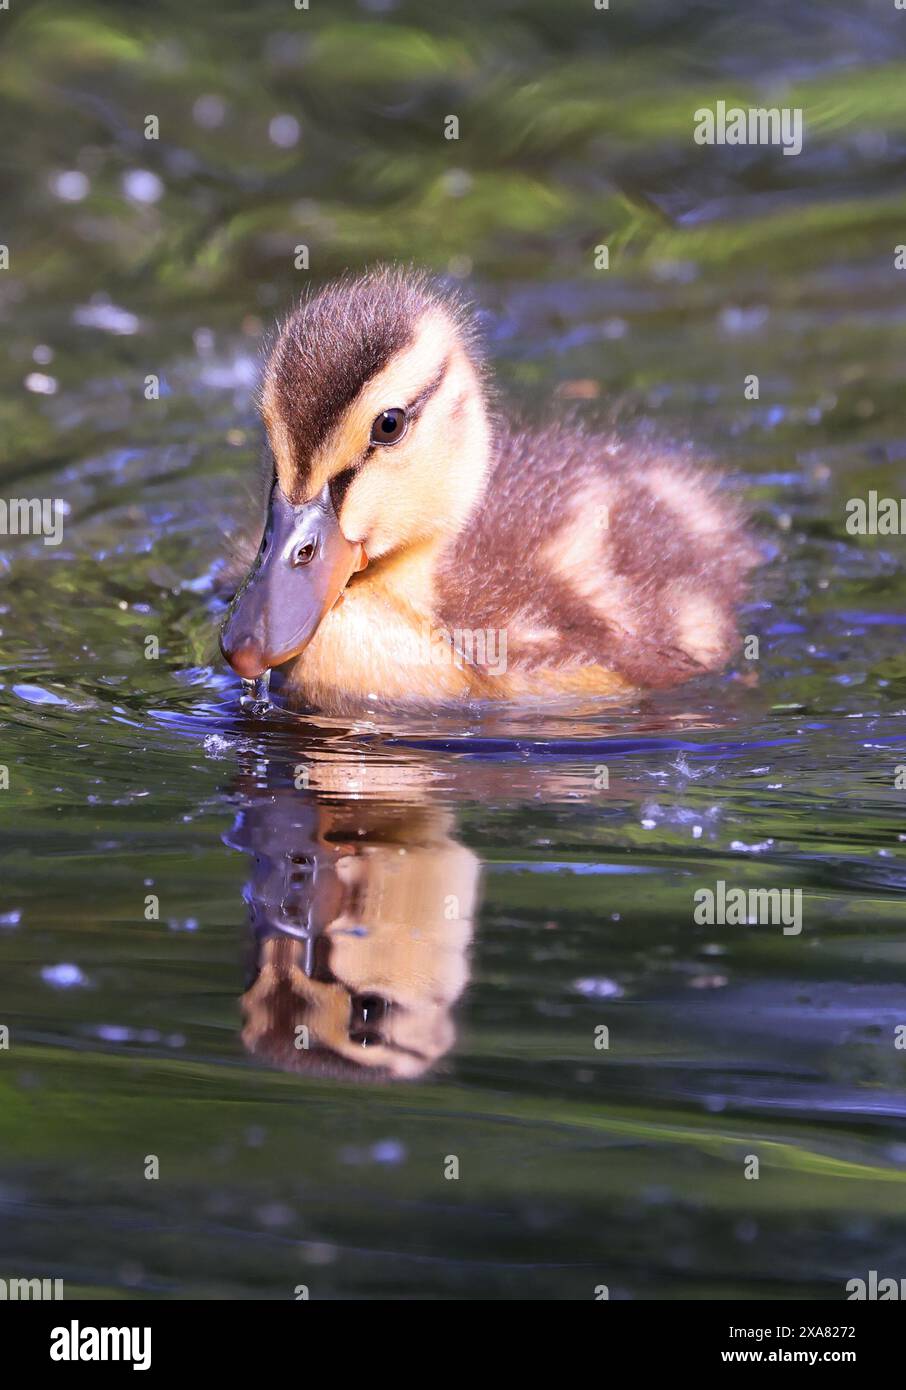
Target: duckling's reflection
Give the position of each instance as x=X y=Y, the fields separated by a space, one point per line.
x=361 y=911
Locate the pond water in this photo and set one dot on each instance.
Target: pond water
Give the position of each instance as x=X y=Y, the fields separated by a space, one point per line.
x=500 y=885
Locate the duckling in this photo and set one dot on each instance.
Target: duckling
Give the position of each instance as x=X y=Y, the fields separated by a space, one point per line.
x=421 y=547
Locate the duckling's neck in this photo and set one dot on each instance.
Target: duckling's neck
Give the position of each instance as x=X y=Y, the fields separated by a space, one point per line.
x=406 y=576
x=394 y=599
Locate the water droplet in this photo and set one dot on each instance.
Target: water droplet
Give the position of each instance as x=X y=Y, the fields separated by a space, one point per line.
x=256 y=694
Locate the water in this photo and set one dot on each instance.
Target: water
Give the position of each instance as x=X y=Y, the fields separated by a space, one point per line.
x=502 y=886
x=255 y=695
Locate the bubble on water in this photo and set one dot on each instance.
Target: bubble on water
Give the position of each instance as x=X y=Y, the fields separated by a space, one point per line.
x=598 y=988
x=389 y=1151
x=284 y=131
x=736 y=320
x=216 y=746
x=63 y=976
x=41 y=384
x=71 y=186
x=209 y=111
x=113 y=1033
x=142 y=186
x=100 y=313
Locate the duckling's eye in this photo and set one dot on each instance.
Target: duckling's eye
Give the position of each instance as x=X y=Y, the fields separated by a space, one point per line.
x=389 y=427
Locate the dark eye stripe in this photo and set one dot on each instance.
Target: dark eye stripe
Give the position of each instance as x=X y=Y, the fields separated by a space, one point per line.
x=414 y=407
x=339 y=485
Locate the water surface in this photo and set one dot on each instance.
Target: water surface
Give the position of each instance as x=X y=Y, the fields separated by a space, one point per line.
x=454 y=905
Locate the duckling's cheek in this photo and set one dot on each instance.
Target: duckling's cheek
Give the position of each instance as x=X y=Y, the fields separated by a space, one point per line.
x=388 y=507
x=363 y=512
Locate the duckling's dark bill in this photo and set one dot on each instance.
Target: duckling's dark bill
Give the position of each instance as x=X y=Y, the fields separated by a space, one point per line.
x=303 y=566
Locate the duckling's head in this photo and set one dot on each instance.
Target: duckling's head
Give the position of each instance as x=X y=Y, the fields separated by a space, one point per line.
x=375 y=411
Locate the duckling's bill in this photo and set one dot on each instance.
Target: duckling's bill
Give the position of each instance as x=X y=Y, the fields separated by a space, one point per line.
x=302 y=568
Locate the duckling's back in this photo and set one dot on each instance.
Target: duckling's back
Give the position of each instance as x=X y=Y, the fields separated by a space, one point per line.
x=609 y=562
